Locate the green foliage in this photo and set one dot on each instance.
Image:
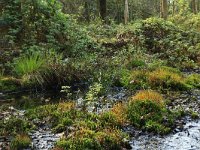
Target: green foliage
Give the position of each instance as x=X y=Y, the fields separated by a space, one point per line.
x=159 y=78
x=20 y=142
x=165 y=39
x=88 y=139
x=93 y=92
x=136 y=63
x=15 y=125
x=194 y=80
x=30 y=64
x=43 y=24
x=149 y=114
x=90 y=131
x=9 y=83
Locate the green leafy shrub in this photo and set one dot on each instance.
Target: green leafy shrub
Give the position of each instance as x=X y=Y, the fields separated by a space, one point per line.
x=15 y=125
x=171 y=43
x=49 y=29
x=193 y=80
x=136 y=63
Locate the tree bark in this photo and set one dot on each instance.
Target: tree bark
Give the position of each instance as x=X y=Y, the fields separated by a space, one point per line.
x=194 y=6
x=174 y=8
x=164 y=8
x=87 y=13
x=103 y=9
x=126 y=12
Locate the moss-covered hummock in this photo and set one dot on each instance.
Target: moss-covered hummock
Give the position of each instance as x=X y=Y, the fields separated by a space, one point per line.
x=147 y=110
x=161 y=78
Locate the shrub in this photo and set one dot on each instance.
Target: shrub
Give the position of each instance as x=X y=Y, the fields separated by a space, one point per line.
x=138 y=79
x=46 y=70
x=21 y=141
x=108 y=119
x=193 y=80
x=136 y=63
x=66 y=106
x=165 y=39
x=16 y=125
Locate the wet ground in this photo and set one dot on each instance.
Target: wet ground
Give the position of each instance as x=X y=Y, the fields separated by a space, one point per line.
x=187 y=139
x=186 y=136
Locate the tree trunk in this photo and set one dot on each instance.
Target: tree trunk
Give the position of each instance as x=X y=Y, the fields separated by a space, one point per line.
x=193 y=6
x=87 y=13
x=164 y=8
x=126 y=12
x=102 y=4
x=174 y=8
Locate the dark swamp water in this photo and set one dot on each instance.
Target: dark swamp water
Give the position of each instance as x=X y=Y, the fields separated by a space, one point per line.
x=186 y=136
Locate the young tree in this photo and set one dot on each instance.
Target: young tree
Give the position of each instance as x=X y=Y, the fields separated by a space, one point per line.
x=164 y=8
x=126 y=12
x=103 y=9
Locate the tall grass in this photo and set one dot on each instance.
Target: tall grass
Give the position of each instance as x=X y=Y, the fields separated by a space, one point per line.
x=29 y=64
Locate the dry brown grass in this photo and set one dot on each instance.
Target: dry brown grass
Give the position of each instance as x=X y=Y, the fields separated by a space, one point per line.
x=160 y=76
x=66 y=106
x=149 y=95
x=119 y=111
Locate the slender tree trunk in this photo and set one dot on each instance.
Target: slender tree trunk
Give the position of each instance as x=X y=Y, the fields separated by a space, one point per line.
x=193 y=6
x=87 y=13
x=198 y=6
x=164 y=8
x=174 y=7
x=126 y=12
x=103 y=8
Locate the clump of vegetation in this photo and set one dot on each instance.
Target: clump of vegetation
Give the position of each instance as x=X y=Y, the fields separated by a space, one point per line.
x=21 y=141
x=149 y=95
x=166 y=79
x=90 y=131
x=10 y=83
x=147 y=110
x=15 y=125
x=27 y=65
x=119 y=111
x=193 y=80
x=88 y=139
x=164 y=38
x=159 y=78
